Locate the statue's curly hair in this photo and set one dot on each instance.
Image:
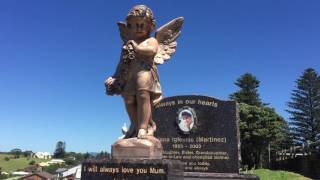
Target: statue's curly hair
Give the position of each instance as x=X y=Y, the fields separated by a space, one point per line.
x=142 y=11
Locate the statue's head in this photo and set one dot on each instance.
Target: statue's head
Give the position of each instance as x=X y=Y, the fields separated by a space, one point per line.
x=140 y=20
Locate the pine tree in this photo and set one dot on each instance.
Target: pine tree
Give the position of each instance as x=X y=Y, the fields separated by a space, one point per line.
x=60 y=150
x=248 y=92
x=304 y=108
x=260 y=126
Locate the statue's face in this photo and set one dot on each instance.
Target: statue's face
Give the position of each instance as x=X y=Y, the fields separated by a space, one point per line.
x=139 y=27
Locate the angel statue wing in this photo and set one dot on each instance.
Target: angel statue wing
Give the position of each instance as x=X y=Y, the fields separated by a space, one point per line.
x=123 y=31
x=167 y=36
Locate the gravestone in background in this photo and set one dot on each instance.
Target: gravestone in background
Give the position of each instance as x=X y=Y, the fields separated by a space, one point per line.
x=200 y=131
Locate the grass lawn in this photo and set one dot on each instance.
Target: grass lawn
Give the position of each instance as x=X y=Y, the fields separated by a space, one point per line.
x=14 y=164
x=267 y=174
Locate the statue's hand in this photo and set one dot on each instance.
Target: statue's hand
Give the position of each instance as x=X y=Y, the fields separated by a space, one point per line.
x=109 y=81
x=112 y=86
x=133 y=44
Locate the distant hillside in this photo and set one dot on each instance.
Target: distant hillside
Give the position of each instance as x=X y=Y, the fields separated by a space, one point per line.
x=15 y=164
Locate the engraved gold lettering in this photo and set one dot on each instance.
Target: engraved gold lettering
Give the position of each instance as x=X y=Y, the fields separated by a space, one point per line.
x=156 y=170
x=126 y=170
x=141 y=171
x=165 y=104
x=207 y=103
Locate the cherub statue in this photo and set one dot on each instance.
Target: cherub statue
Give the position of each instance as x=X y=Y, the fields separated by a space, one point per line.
x=136 y=78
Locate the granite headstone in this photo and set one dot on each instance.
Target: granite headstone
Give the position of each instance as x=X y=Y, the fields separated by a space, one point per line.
x=200 y=131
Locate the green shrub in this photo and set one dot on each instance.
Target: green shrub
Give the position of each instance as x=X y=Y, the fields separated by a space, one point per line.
x=3 y=176
x=32 y=162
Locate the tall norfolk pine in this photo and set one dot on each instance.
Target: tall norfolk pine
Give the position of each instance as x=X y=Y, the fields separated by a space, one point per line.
x=248 y=92
x=304 y=108
x=260 y=126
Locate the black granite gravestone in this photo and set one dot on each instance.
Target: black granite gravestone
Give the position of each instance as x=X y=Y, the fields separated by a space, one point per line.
x=200 y=131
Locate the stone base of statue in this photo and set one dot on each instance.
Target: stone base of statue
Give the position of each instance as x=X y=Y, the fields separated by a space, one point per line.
x=132 y=169
x=134 y=148
x=133 y=159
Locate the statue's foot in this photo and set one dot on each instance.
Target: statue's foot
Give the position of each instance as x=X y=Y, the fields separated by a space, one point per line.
x=151 y=129
x=142 y=134
x=130 y=133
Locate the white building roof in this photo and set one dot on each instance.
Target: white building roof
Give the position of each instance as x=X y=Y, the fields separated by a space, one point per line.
x=56 y=161
x=20 y=173
x=42 y=164
x=75 y=170
x=43 y=153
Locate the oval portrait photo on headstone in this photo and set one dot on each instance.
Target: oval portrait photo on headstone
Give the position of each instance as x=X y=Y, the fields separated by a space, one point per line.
x=186 y=119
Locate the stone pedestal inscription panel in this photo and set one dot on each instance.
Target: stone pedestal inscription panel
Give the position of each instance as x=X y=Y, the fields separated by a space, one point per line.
x=131 y=169
x=200 y=131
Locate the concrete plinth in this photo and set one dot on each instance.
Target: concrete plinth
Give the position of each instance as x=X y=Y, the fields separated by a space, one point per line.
x=134 y=148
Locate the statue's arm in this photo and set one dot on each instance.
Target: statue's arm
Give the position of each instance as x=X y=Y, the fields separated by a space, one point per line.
x=149 y=49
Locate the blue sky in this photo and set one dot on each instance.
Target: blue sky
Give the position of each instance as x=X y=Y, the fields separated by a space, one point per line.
x=55 y=55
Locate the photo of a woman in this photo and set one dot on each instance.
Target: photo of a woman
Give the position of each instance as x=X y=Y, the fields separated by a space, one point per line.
x=186 y=120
